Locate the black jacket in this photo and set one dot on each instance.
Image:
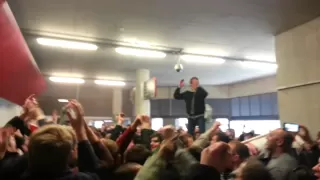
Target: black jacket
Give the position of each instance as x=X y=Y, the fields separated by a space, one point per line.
x=202 y=172
x=199 y=100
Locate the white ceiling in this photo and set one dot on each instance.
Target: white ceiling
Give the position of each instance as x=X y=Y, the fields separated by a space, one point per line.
x=233 y=28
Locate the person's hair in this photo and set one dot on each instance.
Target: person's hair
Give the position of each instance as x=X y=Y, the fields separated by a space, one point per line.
x=184 y=139
x=137 y=154
x=112 y=146
x=233 y=134
x=241 y=149
x=50 y=148
x=222 y=137
x=96 y=131
x=254 y=170
x=196 y=78
x=157 y=135
x=307 y=138
x=127 y=171
x=287 y=142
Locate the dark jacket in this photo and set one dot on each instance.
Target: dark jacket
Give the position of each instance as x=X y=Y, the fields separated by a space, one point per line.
x=202 y=172
x=199 y=100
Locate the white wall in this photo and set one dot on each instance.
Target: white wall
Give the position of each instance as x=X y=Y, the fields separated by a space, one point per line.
x=8 y=111
x=246 y=88
x=253 y=87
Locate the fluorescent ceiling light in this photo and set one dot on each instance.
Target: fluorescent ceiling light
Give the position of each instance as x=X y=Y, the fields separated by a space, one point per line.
x=202 y=59
x=259 y=65
x=267 y=58
x=67 y=44
x=67 y=80
x=140 y=52
x=110 y=83
x=63 y=100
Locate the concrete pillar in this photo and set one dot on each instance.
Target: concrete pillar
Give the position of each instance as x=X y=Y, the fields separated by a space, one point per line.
x=142 y=106
x=117 y=101
x=298 y=76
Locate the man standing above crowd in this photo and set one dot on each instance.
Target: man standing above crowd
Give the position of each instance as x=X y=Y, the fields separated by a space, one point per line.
x=195 y=103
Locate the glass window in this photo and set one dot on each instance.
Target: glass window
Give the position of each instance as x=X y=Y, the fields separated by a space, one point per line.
x=181 y=123
x=98 y=124
x=259 y=126
x=156 y=123
x=224 y=123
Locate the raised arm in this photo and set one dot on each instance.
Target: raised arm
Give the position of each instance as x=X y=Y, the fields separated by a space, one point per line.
x=177 y=94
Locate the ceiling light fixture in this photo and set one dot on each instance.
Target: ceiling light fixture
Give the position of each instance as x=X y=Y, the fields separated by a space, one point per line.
x=67 y=80
x=259 y=65
x=267 y=58
x=63 y=100
x=110 y=83
x=140 y=52
x=202 y=59
x=67 y=44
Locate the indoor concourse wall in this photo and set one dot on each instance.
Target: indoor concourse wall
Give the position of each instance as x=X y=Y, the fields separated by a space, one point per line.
x=298 y=78
x=245 y=88
x=7 y=111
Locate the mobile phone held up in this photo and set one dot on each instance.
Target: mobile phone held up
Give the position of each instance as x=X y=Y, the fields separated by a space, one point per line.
x=290 y=127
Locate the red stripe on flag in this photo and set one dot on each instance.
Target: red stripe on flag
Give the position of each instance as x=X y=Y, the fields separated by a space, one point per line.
x=19 y=75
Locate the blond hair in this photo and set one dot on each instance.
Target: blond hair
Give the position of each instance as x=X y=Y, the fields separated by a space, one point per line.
x=50 y=148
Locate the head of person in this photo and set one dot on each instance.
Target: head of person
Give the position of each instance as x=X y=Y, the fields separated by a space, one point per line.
x=137 y=154
x=127 y=171
x=252 y=170
x=194 y=82
x=113 y=148
x=186 y=139
x=220 y=137
x=248 y=135
x=155 y=142
x=231 y=133
x=197 y=135
x=50 y=149
x=279 y=141
x=240 y=153
x=304 y=134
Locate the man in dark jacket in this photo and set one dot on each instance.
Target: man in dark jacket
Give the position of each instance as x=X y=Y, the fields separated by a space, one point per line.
x=195 y=103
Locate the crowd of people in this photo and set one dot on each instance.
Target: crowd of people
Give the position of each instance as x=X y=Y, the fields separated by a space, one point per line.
x=35 y=148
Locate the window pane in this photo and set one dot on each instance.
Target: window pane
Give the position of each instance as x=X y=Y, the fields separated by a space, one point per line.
x=224 y=123
x=259 y=126
x=98 y=124
x=181 y=123
x=156 y=123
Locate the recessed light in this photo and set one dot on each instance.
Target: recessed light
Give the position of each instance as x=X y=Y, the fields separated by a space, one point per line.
x=67 y=44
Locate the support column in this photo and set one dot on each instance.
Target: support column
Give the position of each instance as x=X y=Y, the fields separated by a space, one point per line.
x=142 y=106
x=298 y=75
x=117 y=101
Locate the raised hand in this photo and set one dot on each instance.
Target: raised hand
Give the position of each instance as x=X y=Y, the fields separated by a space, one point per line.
x=145 y=122
x=75 y=114
x=120 y=119
x=136 y=122
x=31 y=109
x=181 y=84
x=55 y=116
x=4 y=140
x=168 y=148
x=217 y=155
x=216 y=126
x=168 y=132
